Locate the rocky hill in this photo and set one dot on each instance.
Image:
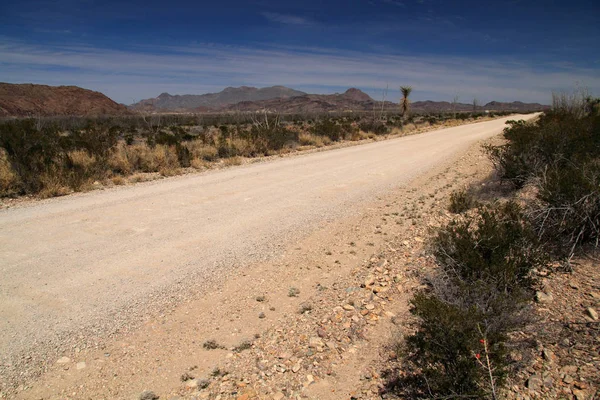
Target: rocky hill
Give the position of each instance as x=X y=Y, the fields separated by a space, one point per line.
x=353 y=99
x=203 y=102
x=22 y=100
x=356 y=100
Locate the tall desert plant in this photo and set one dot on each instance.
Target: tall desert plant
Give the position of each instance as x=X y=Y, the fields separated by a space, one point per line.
x=404 y=102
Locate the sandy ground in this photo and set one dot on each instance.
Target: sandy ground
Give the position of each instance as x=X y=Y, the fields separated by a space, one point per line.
x=94 y=277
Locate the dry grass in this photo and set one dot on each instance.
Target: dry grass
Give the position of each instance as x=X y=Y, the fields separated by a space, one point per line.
x=118 y=180
x=82 y=158
x=52 y=186
x=232 y=161
x=308 y=139
x=199 y=163
x=243 y=147
x=199 y=150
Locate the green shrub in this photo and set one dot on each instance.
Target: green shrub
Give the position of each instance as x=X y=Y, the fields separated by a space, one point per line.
x=328 y=128
x=477 y=299
x=560 y=155
x=375 y=126
x=447 y=357
x=497 y=246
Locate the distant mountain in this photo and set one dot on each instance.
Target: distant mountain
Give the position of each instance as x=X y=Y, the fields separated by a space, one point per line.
x=351 y=100
x=444 y=106
x=356 y=100
x=515 y=106
x=228 y=96
x=22 y=100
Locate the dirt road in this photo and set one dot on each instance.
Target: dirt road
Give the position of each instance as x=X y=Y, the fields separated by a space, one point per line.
x=93 y=264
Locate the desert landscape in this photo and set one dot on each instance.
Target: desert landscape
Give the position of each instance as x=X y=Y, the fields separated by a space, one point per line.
x=384 y=200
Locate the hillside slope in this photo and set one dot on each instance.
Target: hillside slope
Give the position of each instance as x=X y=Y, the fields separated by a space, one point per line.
x=22 y=100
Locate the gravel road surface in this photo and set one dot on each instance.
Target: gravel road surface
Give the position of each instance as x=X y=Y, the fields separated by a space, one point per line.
x=91 y=263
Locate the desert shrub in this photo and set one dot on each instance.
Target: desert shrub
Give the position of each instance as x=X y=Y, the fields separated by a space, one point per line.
x=374 y=125
x=184 y=157
x=32 y=152
x=477 y=298
x=9 y=183
x=272 y=137
x=497 y=245
x=81 y=168
x=448 y=355
x=461 y=201
x=328 y=128
x=560 y=155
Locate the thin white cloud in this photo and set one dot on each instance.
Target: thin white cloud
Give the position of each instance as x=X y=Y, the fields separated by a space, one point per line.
x=146 y=72
x=286 y=19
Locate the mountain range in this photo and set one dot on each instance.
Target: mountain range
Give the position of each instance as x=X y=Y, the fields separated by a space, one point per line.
x=22 y=100
x=285 y=100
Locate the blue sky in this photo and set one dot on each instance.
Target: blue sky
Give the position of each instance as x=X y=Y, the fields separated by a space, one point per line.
x=130 y=50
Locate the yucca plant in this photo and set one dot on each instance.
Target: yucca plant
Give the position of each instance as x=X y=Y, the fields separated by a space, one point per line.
x=404 y=102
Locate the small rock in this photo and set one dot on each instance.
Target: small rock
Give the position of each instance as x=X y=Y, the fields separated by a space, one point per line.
x=568 y=379
x=192 y=384
x=579 y=394
x=370 y=306
x=278 y=396
x=148 y=395
x=63 y=360
x=80 y=365
x=321 y=333
x=542 y=297
x=262 y=315
x=548 y=355
x=348 y=307
x=592 y=313
x=310 y=379
x=573 y=285
x=534 y=383
x=315 y=342
x=296 y=368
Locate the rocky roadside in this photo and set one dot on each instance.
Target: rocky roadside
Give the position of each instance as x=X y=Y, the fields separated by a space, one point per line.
x=564 y=362
x=340 y=342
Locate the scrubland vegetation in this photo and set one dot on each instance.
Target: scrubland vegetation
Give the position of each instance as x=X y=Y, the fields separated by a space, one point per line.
x=489 y=254
x=52 y=157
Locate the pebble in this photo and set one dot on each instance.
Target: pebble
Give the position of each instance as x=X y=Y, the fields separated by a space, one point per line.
x=592 y=313
x=148 y=395
x=80 y=365
x=348 y=307
x=63 y=360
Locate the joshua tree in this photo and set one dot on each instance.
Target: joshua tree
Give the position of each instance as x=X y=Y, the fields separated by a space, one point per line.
x=404 y=103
